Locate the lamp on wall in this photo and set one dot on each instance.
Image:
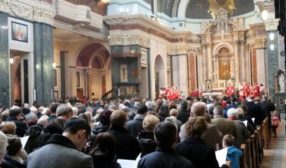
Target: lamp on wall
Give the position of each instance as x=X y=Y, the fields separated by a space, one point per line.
x=105 y=1
x=271 y=36
x=54 y=65
x=272 y=47
x=11 y=60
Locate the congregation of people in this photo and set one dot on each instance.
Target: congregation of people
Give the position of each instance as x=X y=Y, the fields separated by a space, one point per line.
x=166 y=134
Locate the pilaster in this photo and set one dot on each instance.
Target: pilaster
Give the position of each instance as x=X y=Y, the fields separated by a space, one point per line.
x=4 y=61
x=43 y=61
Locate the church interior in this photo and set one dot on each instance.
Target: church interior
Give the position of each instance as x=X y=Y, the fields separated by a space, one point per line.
x=102 y=50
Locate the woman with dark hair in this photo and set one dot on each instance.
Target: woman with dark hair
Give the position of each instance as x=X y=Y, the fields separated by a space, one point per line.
x=12 y=158
x=164 y=111
x=103 y=151
x=184 y=114
x=104 y=122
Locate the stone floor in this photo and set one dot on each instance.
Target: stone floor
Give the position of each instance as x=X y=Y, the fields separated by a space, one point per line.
x=275 y=155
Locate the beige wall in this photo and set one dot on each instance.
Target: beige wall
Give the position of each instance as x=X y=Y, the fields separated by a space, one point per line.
x=73 y=48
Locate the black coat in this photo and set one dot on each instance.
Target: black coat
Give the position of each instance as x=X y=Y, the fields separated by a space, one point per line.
x=200 y=153
x=10 y=163
x=101 y=161
x=127 y=145
x=136 y=125
x=255 y=111
x=147 y=142
x=164 y=158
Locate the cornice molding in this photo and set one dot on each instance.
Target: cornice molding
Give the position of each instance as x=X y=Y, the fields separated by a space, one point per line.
x=146 y=24
x=80 y=30
x=129 y=39
x=30 y=10
x=178 y=50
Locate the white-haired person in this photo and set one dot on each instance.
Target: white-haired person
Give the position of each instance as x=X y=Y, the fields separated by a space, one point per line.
x=242 y=133
x=3 y=146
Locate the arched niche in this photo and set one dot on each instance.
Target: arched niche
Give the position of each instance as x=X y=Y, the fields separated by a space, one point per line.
x=159 y=74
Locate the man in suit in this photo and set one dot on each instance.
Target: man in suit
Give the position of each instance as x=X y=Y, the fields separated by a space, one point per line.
x=64 y=150
x=224 y=125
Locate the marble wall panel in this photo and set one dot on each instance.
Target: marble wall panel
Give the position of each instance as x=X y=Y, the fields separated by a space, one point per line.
x=4 y=61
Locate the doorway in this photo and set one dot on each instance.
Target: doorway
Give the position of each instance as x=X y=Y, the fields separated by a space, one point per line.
x=20 y=78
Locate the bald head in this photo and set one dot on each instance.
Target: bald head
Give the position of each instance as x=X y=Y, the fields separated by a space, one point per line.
x=199 y=109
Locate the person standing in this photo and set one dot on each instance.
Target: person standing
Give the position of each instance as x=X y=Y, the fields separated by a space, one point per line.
x=64 y=151
x=165 y=155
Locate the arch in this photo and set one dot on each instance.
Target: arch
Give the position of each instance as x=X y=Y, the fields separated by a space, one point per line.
x=175 y=8
x=86 y=56
x=222 y=45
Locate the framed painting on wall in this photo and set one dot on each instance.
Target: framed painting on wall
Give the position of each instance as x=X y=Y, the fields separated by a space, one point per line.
x=19 y=32
x=77 y=79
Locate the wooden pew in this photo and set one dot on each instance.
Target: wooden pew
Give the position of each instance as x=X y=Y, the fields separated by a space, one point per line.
x=253 y=151
x=243 y=158
x=259 y=144
x=246 y=160
x=265 y=133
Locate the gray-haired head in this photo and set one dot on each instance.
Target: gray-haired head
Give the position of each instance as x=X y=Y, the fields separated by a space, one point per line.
x=199 y=109
x=63 y=109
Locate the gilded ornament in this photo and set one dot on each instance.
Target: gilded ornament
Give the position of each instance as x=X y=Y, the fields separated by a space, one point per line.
x=215 y=5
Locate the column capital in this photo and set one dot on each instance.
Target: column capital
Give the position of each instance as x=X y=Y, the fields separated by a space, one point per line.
x=271 y=24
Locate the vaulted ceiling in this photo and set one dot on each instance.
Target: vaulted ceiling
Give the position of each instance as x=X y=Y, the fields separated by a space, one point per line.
x=198 y=9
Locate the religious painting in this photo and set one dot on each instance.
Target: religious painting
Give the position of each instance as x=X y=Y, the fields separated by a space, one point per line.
x=123 y=73
x=19 y=32
x=224 y=69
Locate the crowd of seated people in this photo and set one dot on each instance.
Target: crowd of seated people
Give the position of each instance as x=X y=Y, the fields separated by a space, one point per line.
x=180 y=133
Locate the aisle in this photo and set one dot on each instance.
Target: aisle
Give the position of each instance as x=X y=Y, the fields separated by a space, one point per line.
x=275 y=156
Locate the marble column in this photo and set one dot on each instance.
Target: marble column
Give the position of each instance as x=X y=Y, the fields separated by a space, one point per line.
x=236 y=60
x=43 y=60
x=209 y=59
x=273 y=64
x=242 y=62
x=203 y=61
x=272 y=54
x=4 y=61
x=261 y=72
